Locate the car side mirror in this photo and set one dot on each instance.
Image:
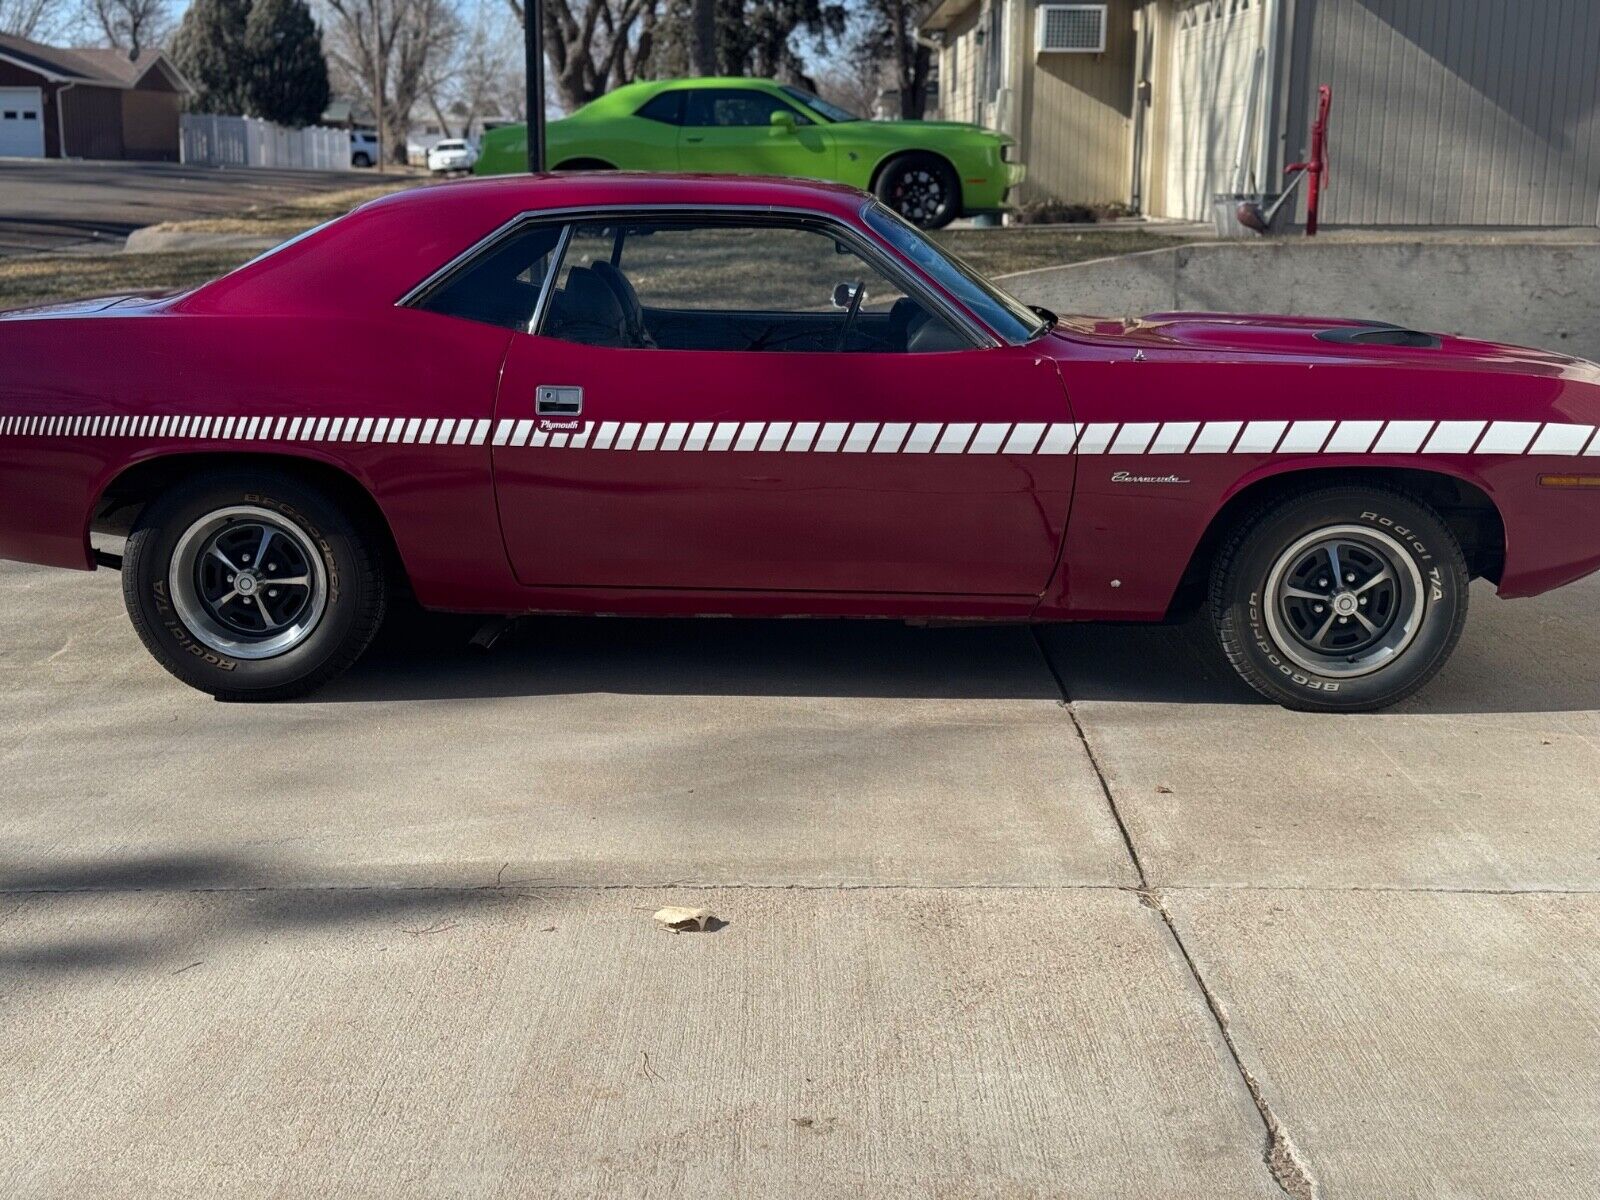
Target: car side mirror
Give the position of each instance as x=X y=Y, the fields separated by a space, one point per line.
x=844 y=293
x=782 y=121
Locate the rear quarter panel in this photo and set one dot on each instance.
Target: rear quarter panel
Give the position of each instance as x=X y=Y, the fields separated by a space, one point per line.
x=84 y=400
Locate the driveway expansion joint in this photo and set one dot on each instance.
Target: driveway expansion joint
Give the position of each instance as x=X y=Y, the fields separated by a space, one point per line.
x=1282 y=1160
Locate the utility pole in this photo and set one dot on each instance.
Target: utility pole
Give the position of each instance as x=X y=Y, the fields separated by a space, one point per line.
x=533 y=48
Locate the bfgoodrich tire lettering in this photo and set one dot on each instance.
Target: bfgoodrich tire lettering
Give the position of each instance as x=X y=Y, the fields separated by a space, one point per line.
x=1346 y=599
x=347 y=564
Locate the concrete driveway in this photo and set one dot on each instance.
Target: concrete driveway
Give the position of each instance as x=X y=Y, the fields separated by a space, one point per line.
x=1155 y=940
x=48 y=204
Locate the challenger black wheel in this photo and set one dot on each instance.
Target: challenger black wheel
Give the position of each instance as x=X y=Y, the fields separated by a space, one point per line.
x=252 y=585
x=1347 y=599
x=922 y=188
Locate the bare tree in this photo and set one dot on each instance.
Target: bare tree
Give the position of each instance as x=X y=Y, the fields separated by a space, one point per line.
x=478 y=78
x=703 y=36
x=128 y=25
x=594 y=45
x=889 y=36
x=383 y=51
x=35 y=19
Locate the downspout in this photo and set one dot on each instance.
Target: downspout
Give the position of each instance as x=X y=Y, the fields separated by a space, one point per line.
x=61 y=117
x=1270 y=92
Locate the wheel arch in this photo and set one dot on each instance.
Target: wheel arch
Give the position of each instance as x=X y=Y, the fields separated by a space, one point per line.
x=583 y=162
x=1470 y=513
x=128 y=492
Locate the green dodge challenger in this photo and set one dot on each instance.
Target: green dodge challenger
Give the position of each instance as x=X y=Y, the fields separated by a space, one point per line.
x=929 y=171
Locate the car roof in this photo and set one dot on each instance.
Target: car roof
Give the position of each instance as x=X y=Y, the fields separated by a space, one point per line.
x=513 y=194
x=352 y=261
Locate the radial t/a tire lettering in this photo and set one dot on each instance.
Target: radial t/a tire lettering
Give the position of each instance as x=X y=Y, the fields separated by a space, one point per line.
x=1346 y=599
x=253 y=585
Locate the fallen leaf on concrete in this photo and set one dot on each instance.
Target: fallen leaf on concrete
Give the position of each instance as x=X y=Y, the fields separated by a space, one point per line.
x=1164 y=789
x=681 y=920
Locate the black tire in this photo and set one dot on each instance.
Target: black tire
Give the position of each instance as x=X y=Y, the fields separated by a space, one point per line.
x=1287 y=639
x=583 y=164
x=340 y=555
x=361 y=160
x=923 y=188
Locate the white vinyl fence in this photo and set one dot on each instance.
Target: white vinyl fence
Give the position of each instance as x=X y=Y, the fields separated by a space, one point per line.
x=211 y=140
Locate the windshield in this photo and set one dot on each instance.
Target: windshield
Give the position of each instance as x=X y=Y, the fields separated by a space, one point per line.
x=1005 y=314
x=817 y=104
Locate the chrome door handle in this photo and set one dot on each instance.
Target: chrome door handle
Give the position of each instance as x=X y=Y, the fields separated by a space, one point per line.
x=558 y=401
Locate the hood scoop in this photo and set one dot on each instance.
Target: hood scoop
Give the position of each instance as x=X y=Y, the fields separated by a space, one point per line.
x=1375 y=334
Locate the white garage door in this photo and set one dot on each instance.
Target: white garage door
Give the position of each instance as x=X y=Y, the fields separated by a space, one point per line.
x=1213 y=50
x=21 y=123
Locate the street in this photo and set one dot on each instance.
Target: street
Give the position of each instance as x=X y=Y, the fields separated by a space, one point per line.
x=49 y=205
x=1162 y=940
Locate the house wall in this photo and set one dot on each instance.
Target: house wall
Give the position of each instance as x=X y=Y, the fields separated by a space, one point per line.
x=959 y=61
x=92 y=117
x=12 y=75
x=1076 y=113
x=150 y=124
x=1452 y=112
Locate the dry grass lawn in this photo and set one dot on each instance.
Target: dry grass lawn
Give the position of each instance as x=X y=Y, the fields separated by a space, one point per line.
x=47 y=278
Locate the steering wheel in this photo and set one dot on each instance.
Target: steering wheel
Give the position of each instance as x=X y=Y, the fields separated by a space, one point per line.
x=858 y=290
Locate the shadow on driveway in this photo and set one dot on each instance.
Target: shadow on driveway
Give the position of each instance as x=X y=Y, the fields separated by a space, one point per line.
x=1516 y=656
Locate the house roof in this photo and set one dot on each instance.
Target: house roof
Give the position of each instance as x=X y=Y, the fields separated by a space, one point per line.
x=102 y=68
x=938 y=14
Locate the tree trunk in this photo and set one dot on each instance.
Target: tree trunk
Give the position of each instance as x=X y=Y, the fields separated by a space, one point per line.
x=703 y=37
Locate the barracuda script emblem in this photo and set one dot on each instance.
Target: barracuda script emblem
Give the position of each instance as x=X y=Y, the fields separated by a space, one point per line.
x=1130 y=477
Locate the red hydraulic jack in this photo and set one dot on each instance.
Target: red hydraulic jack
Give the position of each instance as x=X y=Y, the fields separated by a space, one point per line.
x=1316 y=169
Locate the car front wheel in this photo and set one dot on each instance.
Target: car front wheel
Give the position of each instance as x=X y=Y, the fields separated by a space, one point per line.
x=252 y=585
x=922 y=188
x=1346 y=599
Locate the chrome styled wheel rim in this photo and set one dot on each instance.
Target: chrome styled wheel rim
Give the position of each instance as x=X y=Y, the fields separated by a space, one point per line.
x=247 y=582
x=1344 y=601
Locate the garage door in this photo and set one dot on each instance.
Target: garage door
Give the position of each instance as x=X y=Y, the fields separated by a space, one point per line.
x=21 y=123
x=1213 y=51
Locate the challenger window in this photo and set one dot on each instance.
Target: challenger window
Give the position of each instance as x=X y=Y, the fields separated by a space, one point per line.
x=736 y=106
x=710 y=284
x=501 y=285
x=666 y=108
x=817 y=104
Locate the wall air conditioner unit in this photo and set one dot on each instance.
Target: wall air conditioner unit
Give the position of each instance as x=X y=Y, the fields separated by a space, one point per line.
x=1071 y=29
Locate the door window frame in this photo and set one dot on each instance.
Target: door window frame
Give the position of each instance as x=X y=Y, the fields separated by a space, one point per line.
x=880 y=256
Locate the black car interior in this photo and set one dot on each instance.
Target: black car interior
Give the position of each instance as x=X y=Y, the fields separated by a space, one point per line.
x=597 y=305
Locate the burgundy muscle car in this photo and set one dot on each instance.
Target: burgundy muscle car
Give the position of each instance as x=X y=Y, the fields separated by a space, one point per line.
x=658 y=395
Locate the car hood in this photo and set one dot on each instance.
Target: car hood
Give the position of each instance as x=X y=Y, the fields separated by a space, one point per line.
x=1318 y=339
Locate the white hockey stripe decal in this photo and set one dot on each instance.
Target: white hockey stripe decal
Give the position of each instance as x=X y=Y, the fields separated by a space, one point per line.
x=1130 y=439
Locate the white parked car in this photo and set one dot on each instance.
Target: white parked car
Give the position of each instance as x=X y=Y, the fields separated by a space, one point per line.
x=452 y=154
x=363 y=148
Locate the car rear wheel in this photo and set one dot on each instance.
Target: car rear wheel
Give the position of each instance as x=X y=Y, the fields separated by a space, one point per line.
x=583 y=164
x=1347 y=599
x=922 y=188
x=252 y=585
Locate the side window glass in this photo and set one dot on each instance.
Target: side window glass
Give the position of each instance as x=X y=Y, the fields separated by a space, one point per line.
x=666 y=108
x=501 y=286
x=688 y=284
x=736 y=107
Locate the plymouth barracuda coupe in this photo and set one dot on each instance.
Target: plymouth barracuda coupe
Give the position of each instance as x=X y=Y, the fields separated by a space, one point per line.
x=930 y=172
x=642 y=394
